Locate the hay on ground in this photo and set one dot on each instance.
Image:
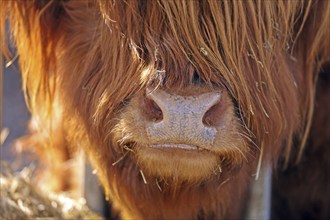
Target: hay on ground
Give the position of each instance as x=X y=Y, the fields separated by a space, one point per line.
x=21 y=199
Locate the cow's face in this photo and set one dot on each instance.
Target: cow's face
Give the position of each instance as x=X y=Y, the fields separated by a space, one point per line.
x=182 y=105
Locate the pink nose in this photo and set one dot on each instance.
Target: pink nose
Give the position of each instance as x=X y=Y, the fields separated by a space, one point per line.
x=181 y=119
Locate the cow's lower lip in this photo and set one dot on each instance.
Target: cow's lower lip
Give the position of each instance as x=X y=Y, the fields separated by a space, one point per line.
x=179 y=162
x=177 y=146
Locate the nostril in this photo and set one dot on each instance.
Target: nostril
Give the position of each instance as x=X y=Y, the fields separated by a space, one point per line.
x=152 y=110
x=210 y=118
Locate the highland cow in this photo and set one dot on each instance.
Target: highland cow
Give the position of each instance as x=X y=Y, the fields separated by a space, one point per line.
x=178 y=104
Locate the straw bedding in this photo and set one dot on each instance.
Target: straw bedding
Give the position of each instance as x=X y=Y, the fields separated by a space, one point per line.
x=21 y=199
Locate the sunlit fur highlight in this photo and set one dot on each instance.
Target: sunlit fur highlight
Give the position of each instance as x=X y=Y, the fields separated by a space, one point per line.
x=80 y=71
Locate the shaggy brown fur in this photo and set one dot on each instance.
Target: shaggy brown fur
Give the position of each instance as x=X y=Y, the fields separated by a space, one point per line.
x=309 y=181
x=85 y=65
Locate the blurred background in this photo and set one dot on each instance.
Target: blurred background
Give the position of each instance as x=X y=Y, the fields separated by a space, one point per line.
x=14 y=114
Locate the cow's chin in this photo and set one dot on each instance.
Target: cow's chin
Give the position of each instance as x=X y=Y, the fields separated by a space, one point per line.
x=180 y=164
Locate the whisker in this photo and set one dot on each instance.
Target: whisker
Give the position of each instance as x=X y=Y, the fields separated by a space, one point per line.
x=157 y=183
x=243 y=155
x=259 y=163
x=220 y=169
x=120 y=159
x=248 y=131
x=248 y=138
x=224 y=182
x=143 y=177
x=128 y=148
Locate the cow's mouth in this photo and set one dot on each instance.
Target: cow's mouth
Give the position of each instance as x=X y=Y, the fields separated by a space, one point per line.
x=175 y=161
x=188 y=147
